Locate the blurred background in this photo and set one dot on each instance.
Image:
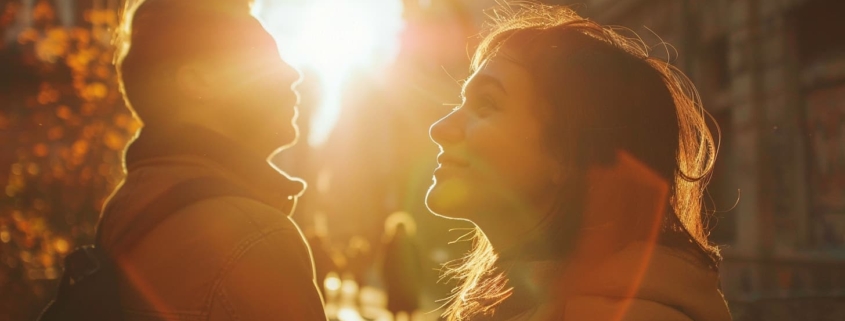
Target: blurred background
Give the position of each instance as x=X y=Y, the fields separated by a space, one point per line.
x=377 y=74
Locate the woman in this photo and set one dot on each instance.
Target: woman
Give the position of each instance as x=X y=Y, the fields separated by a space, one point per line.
x=583 y=161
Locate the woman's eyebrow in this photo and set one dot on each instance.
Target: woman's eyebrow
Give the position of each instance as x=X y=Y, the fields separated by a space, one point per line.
x=479 y=81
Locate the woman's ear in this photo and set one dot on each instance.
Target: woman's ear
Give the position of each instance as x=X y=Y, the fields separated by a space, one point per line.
x=194 y=83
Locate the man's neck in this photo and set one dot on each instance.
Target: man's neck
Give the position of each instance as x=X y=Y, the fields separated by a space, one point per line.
x=254 y=146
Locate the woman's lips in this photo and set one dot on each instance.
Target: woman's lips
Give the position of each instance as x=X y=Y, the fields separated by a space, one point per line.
x=449 y=165
x=452 y=161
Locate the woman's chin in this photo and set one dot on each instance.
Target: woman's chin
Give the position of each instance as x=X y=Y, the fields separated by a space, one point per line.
x=448 y=198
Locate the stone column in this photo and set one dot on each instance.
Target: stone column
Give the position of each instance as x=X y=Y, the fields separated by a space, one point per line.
x=745 y=125
x=782 y=130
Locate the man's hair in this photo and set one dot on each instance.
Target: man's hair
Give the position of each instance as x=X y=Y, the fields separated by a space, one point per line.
x=157 y=36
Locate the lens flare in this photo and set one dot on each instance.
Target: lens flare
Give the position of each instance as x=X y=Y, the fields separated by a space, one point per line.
x=334 y=38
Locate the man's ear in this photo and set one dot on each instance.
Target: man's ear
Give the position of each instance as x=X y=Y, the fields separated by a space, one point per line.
x=194 y=83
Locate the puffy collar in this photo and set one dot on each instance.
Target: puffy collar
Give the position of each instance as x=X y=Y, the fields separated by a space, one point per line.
x=269 y=183
x=641 y=282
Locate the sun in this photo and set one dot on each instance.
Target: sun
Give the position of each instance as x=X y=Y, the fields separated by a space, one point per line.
x=334 y=38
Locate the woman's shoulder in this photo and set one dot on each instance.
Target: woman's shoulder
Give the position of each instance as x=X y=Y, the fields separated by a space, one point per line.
x=649 y=280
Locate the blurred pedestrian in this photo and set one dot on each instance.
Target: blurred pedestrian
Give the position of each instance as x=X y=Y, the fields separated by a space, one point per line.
x=401 y=266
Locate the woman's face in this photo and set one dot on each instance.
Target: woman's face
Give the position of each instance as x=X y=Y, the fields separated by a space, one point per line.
x=493 y=168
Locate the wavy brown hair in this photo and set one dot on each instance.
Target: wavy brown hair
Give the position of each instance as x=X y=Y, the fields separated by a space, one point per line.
x=605 y=93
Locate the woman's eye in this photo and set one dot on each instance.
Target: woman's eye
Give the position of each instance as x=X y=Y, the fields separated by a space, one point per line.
x=482 y=106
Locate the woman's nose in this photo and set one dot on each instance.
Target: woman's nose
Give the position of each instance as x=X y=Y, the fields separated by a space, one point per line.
x=449 y=129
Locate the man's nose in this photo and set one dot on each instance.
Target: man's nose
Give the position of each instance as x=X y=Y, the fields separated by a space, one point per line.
x=292 y=75
x=449 y=129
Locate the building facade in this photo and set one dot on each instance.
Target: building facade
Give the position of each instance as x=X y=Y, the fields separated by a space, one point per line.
x=772 y=74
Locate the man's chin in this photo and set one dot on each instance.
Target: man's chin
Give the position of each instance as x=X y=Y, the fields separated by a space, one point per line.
x=286 y=139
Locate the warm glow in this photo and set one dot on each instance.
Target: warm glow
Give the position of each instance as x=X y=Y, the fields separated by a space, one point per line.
x=332 y=283
x=61 y=245
x=348 y=314
x=334 y=38
x=349 y=287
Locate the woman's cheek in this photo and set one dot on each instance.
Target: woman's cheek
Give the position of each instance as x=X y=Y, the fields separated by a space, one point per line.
x=528 y=166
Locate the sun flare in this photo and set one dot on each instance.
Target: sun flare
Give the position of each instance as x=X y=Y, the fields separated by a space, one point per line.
x=334 y=38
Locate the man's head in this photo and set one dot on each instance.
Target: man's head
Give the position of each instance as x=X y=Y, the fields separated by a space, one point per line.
x=210 y=63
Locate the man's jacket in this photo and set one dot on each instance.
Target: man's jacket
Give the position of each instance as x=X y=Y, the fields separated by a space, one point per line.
x=223 y=258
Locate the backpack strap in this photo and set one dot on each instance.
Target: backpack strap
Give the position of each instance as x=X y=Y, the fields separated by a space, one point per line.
x=172 y=200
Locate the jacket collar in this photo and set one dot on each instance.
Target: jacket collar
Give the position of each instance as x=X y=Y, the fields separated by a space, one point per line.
x=269 y=183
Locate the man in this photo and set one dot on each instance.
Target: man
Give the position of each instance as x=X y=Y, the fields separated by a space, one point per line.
x=216 y=100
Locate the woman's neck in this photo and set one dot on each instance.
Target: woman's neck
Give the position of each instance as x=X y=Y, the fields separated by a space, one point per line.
x=537 y=282
x=539 y=278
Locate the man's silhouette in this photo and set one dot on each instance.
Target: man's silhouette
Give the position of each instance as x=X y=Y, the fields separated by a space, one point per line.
x=216 y=100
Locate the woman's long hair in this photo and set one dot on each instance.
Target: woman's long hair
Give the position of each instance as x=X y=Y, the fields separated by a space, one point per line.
x=605 y=94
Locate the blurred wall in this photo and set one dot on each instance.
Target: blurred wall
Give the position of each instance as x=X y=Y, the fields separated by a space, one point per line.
x=772 y=73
